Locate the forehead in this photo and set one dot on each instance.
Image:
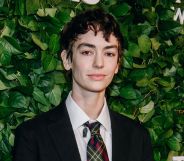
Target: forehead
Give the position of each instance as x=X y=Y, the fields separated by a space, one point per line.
x=96 y=39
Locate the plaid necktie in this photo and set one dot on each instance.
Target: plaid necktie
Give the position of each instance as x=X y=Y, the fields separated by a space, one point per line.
x=96 y=150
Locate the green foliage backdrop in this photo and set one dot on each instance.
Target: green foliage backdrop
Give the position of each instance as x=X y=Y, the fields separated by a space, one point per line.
x=149 y=87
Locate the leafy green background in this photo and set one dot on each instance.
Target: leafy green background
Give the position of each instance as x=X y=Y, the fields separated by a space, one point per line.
x=149 y=87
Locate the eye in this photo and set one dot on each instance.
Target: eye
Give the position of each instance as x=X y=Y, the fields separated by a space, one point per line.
x=86 y=52
x=110 y=54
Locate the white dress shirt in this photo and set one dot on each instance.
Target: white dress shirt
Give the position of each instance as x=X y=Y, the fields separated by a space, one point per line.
x=78 y=117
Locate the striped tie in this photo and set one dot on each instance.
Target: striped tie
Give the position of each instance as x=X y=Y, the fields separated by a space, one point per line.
x=96 y=150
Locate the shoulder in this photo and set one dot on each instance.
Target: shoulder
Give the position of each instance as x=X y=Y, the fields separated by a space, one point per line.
x=133 y=135
x=124 y=123
x=41 y=121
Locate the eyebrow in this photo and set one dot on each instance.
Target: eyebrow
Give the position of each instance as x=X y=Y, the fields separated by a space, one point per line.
x=111 y=46
x=93 y=46
x=86 y=44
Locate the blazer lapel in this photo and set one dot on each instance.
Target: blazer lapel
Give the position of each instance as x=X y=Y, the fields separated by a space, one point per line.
x=63 y=136
x=119 y=139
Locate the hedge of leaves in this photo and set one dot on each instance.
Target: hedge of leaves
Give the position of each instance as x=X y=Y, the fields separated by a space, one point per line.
x=149 y=87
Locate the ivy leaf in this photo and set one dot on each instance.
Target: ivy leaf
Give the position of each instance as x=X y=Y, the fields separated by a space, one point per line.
x=167 y=134
x=49 y=62
x=54 y=44
x=147 y=108
x=39 y=96
x=43 y=108
x=59 y=78
x=146 y=116
x=164 y=13
x=157 y=154
x=23 y=79
x=120 y=9
x=5 y=112
x=168 y=83
x=140 y=74
x=20 y=7
x=157 y=124
x=47 y=11
x=11 y=139
x=28 y=23
x=139 y=66
x=167 y=25
x=32 y=6
x=145 y=3
x=3 y=86
x=1 y=126
x=65 y=17
x=8 y=74
x=172 y=154
x=38 y=42
x=54 y=96
x=17 y=100
x=170 y=72
x=133 y=50
x=9 y=28
x=129 y=93
x=10 y=44
x=174 y=144
x=144 y=43
x=127 y=60
x=153 y=134
x=114 y=91
x=142 y=83
x=158 y=120
x=151 y=16
x=155 y=43
x=5 y=56
x=116 y=106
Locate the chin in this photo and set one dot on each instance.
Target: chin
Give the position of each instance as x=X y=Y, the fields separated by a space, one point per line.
x=97 y=89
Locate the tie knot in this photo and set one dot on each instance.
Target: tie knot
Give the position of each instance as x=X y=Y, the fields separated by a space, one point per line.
x=93 y=127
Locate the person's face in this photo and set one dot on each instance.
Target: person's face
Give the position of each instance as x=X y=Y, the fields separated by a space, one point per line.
x=94 y=62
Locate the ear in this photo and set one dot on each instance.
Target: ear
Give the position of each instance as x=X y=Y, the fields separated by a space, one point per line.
x=117 y=68
x=66 y=61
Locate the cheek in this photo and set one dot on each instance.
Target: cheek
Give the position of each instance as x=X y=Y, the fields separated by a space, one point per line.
x=78 y=68
x=113 y=68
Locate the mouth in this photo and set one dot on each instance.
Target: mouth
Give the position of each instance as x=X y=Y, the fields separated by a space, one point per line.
x=96 y=77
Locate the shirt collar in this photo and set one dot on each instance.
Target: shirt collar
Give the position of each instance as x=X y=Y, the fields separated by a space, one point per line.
x=104 y=117
x=78 y=117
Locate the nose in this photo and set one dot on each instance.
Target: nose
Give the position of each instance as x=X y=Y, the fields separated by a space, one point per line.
x=98 y=61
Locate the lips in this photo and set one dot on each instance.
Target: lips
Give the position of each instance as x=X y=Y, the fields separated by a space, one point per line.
x=96 y=77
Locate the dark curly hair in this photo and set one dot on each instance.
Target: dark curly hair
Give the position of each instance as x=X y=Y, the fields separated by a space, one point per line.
x=95 y=20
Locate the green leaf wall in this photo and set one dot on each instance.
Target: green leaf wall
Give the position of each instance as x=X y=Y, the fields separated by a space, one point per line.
x=148 y=88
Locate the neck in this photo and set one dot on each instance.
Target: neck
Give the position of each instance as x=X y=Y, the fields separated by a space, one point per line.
x=90 y=102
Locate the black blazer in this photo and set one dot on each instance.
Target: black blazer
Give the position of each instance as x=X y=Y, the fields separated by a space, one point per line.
x=49 y=137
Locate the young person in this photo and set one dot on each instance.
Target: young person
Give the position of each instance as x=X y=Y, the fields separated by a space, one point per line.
x=83 y=127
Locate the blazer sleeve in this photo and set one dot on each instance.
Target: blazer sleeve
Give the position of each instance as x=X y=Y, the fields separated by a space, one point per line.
x=25 y=147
